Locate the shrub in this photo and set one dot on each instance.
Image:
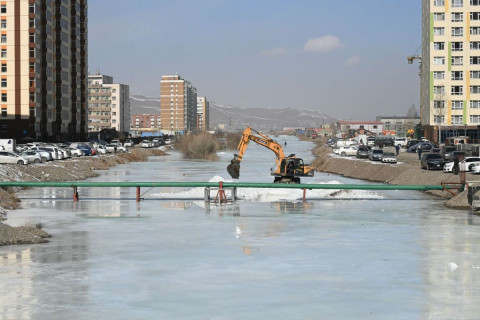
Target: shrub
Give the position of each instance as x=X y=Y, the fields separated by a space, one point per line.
x=232 y=140
x=199 y=146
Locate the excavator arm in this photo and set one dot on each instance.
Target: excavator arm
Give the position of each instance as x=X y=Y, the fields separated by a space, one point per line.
x=233 y=168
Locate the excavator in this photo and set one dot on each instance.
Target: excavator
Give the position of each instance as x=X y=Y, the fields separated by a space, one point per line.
x=286 y=170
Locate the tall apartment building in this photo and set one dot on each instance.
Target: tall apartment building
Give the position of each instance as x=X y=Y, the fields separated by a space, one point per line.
x=108 y=104
x=203 y=114
x=43 y=69
x=450 y=74
x=178 y=105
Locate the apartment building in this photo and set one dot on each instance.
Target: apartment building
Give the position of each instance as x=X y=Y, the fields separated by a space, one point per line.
x=142 y=123
x=450 y=70
x=108 y=104
x=203 y=114
x=178 y=105
x=43 y=69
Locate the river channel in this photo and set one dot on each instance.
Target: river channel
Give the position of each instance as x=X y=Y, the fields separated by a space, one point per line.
x=340 y=255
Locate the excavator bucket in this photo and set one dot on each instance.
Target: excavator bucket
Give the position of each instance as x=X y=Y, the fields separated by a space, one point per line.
x=233 y=169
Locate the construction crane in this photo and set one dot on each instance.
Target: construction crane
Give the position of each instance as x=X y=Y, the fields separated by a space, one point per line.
x=410 y=60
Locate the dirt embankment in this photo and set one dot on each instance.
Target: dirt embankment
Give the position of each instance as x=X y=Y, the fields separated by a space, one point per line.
x=64 y=170
x=407 y=171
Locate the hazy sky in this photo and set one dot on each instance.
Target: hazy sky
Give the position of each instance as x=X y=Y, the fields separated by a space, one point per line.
x=346 y=58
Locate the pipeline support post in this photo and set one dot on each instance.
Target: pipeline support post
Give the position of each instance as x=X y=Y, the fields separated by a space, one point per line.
x=75 y=194
x=138 y=194
x=222 y=198
x=304 y=195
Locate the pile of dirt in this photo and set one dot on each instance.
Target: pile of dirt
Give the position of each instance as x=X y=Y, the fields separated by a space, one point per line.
x=65 y=170
x=21 y=235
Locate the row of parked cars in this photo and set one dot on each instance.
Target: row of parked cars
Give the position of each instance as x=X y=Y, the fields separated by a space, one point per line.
x=366 y=152
x=37 y=152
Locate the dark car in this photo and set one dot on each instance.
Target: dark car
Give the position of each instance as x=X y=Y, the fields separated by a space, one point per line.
x=432 y=161
x=384 y=141
x=412 y=142
x=447 y=152
x=424 y=146
x=375 y=155
x=363 y=152
x=454 y=154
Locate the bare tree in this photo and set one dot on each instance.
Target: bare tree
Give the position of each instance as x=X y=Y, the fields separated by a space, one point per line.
x=439 y=111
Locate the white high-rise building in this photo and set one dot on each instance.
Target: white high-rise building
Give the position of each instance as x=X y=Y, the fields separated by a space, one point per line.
x=108 y=104
x=203 y=114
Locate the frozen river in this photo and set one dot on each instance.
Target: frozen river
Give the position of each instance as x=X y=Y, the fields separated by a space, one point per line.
x=350 y=255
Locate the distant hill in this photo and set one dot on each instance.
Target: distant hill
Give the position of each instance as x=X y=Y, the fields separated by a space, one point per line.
x=237 y=118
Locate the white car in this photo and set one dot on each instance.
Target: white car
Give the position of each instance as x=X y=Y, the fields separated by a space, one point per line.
x=112 y=148
x=32 y=156
x=402 y=142
x=464 y=165
x=128 y=143
x=122 y=149
x=348 y=151
x=12 y=158
x=389 y=157
x=146 y=144
x=101 y=149
x=76 y=152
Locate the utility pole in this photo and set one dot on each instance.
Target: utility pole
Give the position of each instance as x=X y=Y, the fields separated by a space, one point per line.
x=410 y=61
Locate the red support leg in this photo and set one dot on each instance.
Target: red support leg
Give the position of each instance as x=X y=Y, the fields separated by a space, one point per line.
x=304 y=195
x=138 y=194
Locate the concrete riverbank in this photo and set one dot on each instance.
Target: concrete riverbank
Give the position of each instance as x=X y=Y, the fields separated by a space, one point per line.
x=407 y=171
x=64 y=170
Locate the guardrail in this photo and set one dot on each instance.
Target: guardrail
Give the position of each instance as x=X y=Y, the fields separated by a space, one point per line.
x=220 y=185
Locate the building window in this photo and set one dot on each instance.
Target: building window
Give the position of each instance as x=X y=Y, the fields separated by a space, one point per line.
x=4 y=38
x=475 y=104
x=4 y=83
x=457 y=105
x=457 y=75
x=457 y=3
x=439 y=16
x=439 y=104
x=475 y=74
x=474 y=16
x=474 y=89
x=457 y=61
x=457 y=16
x=457 y=119
x=474 y=119
x=457 y=31
x=475 y=2
x=439 y=31
x=439 y=90
x=439 y=119
x=475 y=45
x=457 y=46
x=3 y=8
x=4 y=53
x=474 y=60
x=438 y=75
x=474 y=31
x=457 y=90
x=3 y=23
x=438 y=61
x=4 y=67
x=4 y=97
x=439 y=3
x=439 y=46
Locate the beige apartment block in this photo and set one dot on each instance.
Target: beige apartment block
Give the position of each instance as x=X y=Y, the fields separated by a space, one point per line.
x=43 y=69
x=203 y=114
x=178 y=105
x=450 y=74
x=108 y=104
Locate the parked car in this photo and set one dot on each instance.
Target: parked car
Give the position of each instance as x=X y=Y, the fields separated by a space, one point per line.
x=54 y=151
x=122 y=149
x=146 y=144
x=85 y=149
x=128 y=143
x=156 y=142
x=370 y=141
x=46 y=156
x=348 y=151
x=384 y=141
x=432 y=161
x=388 y=157
x=445 y=151
x=75 y=152
x=116 y=142
x=402 y=142
x=101 y=149
x=112 y=148
x=475 y=169
x=32 y=156
x=412 y=142
x=424 y=146
x=375 y=155
x=363 y=152
x=465 y=165
x=9 y=157
x=450 y=156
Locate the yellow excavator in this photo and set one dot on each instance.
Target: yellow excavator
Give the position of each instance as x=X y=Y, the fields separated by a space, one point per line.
x=287 y=169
